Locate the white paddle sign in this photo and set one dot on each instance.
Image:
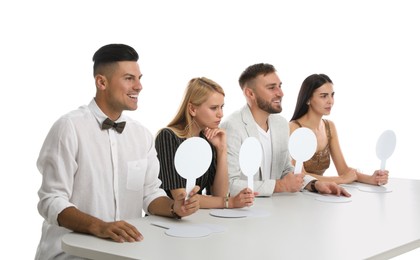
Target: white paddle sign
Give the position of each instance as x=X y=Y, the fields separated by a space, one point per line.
x=302 y=146
x=250 y=156
x=385 y=146
x=192 y=159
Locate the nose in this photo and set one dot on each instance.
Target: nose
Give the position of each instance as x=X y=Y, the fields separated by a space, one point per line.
x=219 y=113
x=331 y=100
x=138 y=86
x=280 y=92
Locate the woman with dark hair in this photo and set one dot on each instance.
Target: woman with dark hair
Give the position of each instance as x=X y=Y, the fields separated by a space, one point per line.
x=316 y=99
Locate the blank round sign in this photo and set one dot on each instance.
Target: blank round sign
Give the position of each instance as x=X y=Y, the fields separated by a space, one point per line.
x=192 y=159
x=302 y=144
x=385 y=146
x=188 y=231
x=250 y=156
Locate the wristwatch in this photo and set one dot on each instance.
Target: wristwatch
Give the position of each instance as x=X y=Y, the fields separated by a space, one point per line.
x=313 y=188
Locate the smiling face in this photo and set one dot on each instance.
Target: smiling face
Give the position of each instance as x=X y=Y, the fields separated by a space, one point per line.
x=210 y=113
x=322 y=99
x=119 y=88
x=268 y=93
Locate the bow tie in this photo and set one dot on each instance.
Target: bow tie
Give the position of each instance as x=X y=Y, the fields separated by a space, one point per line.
x=108 y=123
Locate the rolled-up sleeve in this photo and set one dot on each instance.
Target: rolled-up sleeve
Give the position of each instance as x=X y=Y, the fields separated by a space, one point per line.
x=57 y=164
x=152 y=182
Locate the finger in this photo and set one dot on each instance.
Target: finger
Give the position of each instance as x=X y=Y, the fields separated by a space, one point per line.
x=193 y=207
x=126 y=232
x=382 y=182
x=380 y=173
x=249 y=200
x=194 y=191
x=118 y=234
x=187 y=208
x=191 y=201
x=211 y=133
x=326 y=190
x=345 y=193
x=209 y=136
x=115 y=236
x=133 y=232
x=246 y=190
x=125 y=236
x=338 y=192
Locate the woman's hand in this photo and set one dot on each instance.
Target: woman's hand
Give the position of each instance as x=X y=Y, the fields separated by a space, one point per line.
x=216 y=137
x=349 y=177
x=380 y=177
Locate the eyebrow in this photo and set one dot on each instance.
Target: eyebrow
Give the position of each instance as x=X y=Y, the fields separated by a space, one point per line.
x=326 y=93
x=131 y=75
x=273 y=84
x=217 y=105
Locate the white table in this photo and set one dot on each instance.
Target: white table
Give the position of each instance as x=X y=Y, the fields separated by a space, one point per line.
x=372 y=225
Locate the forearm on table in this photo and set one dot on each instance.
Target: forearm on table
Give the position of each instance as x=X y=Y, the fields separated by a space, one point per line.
x=361 y=177
x=336 y=179
x=220 y=185
x=78 y=221
x=214 y=202
x=161 y=206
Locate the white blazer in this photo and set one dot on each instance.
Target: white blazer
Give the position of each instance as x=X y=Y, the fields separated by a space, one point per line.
x=238 y=127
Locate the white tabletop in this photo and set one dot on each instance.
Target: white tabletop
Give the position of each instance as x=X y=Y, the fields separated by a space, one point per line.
x=295 y=226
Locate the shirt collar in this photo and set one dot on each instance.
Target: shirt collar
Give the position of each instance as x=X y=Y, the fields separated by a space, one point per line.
x=99 y=115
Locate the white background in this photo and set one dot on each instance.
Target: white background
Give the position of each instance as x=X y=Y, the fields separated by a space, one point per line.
x=370 y=49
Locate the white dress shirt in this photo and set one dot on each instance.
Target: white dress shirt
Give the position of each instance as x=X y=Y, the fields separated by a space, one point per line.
x=103 y=173
x=265 y=140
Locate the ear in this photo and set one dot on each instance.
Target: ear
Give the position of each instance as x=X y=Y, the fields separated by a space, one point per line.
x=249 y=93
x=191 y=109
x=100 y=81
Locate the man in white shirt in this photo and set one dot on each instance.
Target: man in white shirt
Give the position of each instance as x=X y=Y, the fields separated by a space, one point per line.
x=99 y=167
x=260 y=118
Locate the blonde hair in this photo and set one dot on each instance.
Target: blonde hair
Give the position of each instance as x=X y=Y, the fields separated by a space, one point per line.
x=197 y=92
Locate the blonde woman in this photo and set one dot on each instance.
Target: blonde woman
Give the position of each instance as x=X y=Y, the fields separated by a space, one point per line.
x=199 y=115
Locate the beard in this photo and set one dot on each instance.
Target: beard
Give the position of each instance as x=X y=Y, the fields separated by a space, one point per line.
x=267 y=107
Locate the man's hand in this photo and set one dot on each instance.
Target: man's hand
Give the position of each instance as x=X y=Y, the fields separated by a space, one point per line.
x=326 y=187
x=185 y=207
x=289 y=183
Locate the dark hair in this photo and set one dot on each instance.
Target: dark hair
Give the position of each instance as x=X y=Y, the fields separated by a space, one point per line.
x=113 y=53
x=309 y=85
x=254 y=71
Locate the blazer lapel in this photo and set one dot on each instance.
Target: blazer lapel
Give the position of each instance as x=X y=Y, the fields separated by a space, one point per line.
x=249 y=122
